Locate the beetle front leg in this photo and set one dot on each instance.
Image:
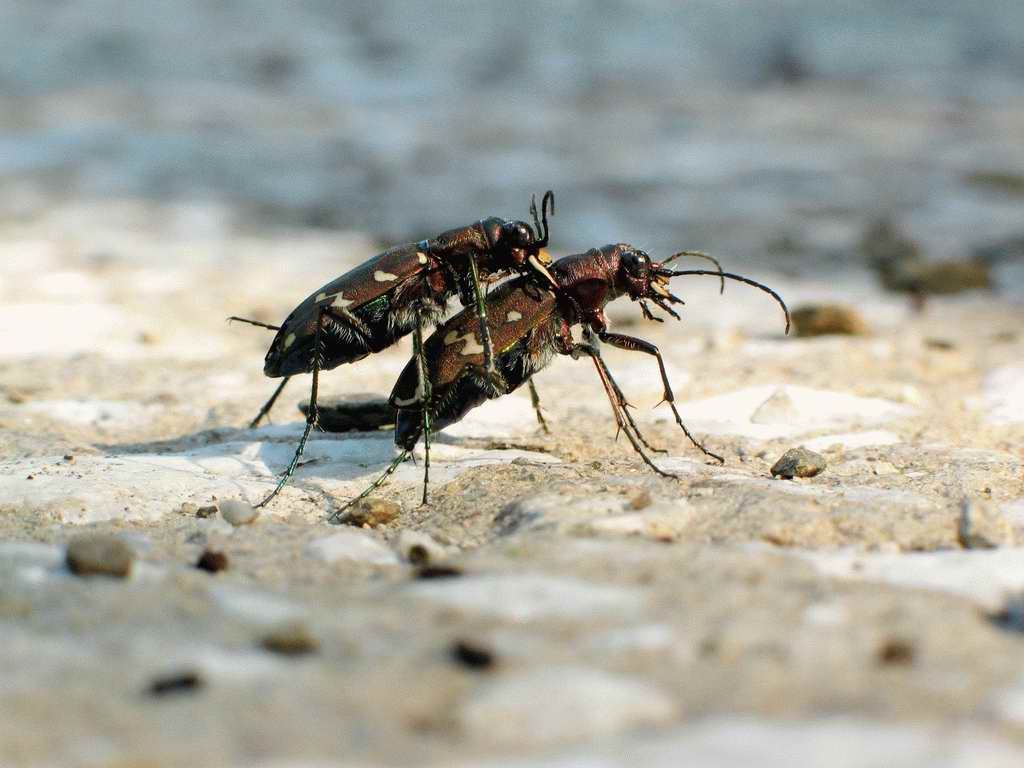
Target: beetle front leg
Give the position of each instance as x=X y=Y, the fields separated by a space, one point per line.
x=423 y=394
x=312 y=416
x=633 y=344
x=490 y=373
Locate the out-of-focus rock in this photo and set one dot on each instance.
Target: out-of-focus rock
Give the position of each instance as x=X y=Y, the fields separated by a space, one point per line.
x=827 y=319
x=902 y=267
x=99 y=555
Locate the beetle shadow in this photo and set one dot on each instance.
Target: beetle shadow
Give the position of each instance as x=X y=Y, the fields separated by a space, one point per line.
x=246 y=458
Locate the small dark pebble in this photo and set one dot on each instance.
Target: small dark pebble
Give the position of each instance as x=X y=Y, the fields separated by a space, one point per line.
x=178 y=682
x=799 y=462
x=471 y=655
x=207 y=511
x=212 y=561
x=437 y=572
x=359 y=413
x=896 y=652
x=99 y=555
x=292 y=639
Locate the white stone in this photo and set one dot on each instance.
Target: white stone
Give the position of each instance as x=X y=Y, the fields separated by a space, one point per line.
x=986 y=576
x=527 y=597
x=734 y=741
x=147 y=486
x=1002 y=397
x=851 y=440
x=354 y=546
x=238 y=512
x=561 y=704
x=815 y=409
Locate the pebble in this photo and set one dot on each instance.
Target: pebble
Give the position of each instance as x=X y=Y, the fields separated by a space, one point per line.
x=827 y=319
x=472 y=655
x=884 y=468
x=799 y=462
x=291 y=639
x=561 y=704
x=983 y=526
x=178 y=682
x=238 y=512
x=99 y=554
x=352 y=545
x=372 y=511
x=420 y=549
x=212 y=561
x=204 y=512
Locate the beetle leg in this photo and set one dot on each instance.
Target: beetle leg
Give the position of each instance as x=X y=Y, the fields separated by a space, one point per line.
x=535 y=399
x=423 y=394
x=312 y=416
x=265 y=410
x=617 y=408
x=490 y=373
x=343 y=314
x=633 y=344
x=623 y=403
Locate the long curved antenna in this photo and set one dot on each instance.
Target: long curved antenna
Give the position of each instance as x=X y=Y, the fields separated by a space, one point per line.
x=255 y=322
x=738 y=278
x=698 y=255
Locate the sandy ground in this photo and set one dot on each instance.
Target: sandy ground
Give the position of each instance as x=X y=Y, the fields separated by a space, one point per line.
x=719 y=618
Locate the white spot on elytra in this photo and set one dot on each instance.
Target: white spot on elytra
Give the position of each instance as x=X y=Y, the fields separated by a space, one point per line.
x=384 y=277
x=402 y=403
x=421 y=257
x=513 y=316
x=341 y=302
x=289 y=340
x=472 y=346
x=320 y=297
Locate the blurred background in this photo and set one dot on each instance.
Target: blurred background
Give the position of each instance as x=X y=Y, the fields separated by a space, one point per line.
x=775 y=132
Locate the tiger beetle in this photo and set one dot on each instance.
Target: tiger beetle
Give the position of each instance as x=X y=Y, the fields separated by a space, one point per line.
x=372 y=306
x=530 y=324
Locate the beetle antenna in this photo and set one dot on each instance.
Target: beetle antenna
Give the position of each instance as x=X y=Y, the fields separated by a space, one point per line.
x=255 y=322
x=741 y=279
x=699 y=255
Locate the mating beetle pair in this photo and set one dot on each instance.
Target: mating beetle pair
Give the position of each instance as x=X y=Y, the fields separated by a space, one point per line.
x=372 y=306
x=526 y=320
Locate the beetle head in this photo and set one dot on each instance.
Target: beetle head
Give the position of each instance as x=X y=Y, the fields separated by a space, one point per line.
x=291 y=351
